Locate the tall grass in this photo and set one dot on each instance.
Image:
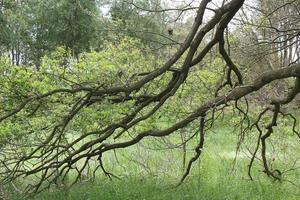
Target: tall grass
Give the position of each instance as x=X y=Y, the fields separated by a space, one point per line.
x=216 y=176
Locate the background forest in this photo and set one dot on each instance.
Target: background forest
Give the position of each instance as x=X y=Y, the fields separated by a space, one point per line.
x=149 y=99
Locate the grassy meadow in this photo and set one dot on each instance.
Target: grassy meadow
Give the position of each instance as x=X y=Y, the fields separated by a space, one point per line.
x=148 y=174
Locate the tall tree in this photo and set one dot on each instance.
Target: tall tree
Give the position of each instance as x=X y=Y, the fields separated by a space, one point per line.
x=139 y=19
x=34 y=28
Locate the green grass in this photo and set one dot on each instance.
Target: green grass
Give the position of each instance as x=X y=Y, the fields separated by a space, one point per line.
x=214 y=177
x=220 y=187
